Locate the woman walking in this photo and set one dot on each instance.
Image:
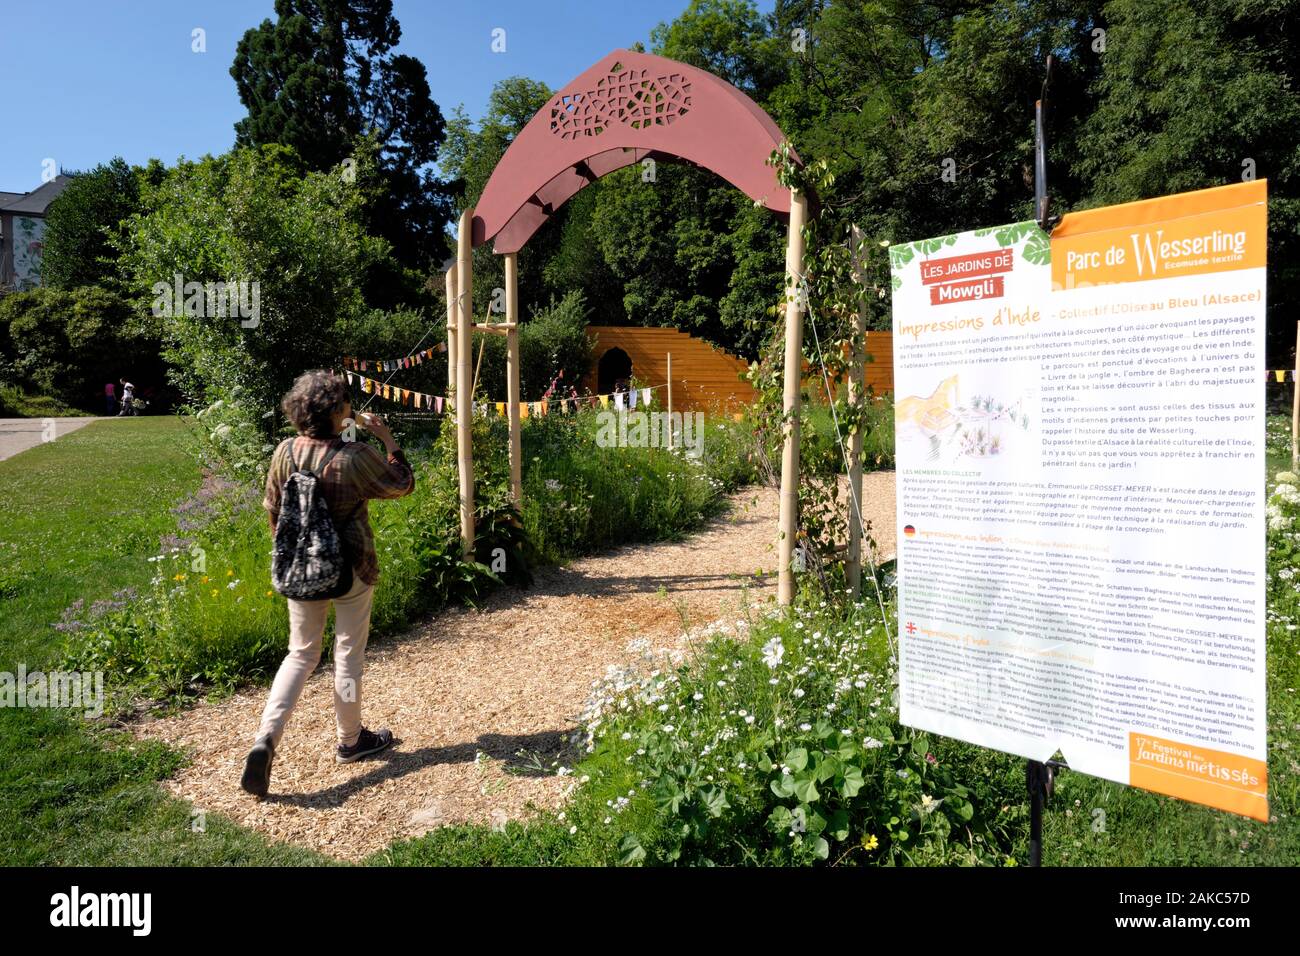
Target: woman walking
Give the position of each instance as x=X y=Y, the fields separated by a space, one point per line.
x=349 y=474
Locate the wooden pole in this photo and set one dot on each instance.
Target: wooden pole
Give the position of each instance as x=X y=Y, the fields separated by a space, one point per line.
x=452 y=319
x=1295 y=404
x=857 y=380
x=464 y=390
x=790 y=408
x=670 y=401
x=478 y=366
x=512 y=377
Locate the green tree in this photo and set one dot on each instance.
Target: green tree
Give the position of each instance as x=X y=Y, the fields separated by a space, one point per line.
x=252 y=216
x=730 y=39
x=469 y=158
x=1196 y=94
x=80 y=220
x=322 y=76
x=68 y=343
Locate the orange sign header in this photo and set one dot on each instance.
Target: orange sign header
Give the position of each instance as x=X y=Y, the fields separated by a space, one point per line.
x=1196 y=233
x=1191 y=772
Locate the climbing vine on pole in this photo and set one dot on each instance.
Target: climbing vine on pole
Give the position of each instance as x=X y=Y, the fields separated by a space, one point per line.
x=844 y=271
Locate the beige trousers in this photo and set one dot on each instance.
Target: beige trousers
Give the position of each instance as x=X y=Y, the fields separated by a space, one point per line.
x=306 y=632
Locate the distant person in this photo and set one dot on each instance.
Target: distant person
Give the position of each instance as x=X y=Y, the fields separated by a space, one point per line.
x=128 y=396
x=110 y=399
x=349 y=473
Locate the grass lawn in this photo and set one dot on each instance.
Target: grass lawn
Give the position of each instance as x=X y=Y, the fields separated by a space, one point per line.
x=84 y=513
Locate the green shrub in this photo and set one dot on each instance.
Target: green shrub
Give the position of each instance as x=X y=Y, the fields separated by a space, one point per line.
x=67 y=344
x=553 y=340
x=778 y=744
x=79 y=221
x=209 y=617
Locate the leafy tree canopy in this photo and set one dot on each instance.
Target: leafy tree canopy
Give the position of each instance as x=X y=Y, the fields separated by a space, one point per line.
x=323 y=75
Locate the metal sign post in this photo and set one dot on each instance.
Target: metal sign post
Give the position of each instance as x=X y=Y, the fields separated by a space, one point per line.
x=1040 y=777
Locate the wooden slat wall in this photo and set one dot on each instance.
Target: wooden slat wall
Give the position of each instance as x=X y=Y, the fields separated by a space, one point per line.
x=879 y=370
x=706 y=378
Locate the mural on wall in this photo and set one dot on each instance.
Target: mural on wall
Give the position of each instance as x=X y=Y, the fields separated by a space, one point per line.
x=29 y=236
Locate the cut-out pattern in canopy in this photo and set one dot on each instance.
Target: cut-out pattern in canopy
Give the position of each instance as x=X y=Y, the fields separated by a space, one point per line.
x=636 y=98
x=627 y=108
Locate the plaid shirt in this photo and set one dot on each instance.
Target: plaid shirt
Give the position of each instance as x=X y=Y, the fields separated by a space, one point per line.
x=356 y=473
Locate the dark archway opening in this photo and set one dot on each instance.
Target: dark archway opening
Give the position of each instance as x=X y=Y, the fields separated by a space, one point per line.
x=615 y=366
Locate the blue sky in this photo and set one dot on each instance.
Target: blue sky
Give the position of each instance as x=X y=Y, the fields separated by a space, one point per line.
x=87 y=80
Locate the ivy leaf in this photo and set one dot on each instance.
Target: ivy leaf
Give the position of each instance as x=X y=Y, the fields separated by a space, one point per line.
x=783 y=786
x=715 y=801
x=805 y=788
x=827 y=768
x=816 y=822
x=630 y=850
x=838 y=825
x=853 y=782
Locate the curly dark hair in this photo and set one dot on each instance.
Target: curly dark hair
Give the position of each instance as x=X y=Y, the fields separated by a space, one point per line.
x=312 y=401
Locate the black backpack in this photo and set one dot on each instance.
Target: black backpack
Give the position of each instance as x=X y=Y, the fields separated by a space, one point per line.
x=309 y=561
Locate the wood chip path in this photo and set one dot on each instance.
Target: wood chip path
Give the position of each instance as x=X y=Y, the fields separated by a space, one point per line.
x=481 y=702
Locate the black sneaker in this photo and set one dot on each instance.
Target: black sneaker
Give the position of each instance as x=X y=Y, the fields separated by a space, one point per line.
x=257 y=768
x=368 y=743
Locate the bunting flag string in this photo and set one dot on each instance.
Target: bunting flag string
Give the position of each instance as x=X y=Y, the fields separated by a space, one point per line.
x=564 y=405
x=352 y=363
x=1280 y=375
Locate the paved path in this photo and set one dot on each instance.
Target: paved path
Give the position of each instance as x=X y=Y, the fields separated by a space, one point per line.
x=19 y=434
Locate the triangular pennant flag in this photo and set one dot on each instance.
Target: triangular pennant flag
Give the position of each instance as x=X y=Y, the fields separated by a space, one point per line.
x=619 y=399
x=523 y=409
x=1281 y=375
x=501 y=409
x=437 y=404
x=604 y=401
x=645 y=397
x=349 y=375
x=631 y=399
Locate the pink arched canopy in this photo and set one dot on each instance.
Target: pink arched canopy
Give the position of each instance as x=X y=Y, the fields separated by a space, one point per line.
x=628 y=107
